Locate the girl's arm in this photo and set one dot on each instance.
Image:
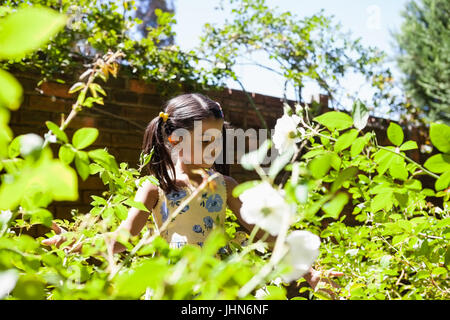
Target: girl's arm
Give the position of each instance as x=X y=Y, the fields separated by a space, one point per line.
x=234 y=204
x=136 y=219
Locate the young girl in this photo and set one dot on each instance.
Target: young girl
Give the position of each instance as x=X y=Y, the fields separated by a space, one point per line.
x=188 y=119
x=177 y=170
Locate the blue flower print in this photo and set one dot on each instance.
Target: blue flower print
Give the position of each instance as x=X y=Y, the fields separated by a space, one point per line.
x=214 y=203
x=197 y=228
x=164 y=211
x=175 y=197
x=208 y=222
x=186 y=208
x=223 y=250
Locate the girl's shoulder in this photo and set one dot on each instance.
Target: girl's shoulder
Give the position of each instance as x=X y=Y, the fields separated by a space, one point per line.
x=230 y=183
x=148 y=193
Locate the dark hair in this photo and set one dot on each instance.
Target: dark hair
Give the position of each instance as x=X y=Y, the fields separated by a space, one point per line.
x=183 y=111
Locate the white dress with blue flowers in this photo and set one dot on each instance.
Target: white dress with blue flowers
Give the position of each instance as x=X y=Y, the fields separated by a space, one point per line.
x=193 y=224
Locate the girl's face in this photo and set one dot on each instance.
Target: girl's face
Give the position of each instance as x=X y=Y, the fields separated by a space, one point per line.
x=201 y=146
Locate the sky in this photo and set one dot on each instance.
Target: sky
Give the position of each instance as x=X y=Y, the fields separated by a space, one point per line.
x=371 y=20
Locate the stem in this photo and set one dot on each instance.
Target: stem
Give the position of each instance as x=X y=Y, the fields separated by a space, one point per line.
x=253 y=234
x=278 y=253
x=78 y=104
x=410 y=160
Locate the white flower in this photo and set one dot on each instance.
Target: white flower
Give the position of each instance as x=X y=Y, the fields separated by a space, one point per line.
x=264 y=206
x=286 y=133
x=50 y=137
x=303 y=250
x=8 y=281
x=30 y=143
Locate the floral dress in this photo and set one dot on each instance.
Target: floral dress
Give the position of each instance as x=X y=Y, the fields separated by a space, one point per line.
x=195 y=221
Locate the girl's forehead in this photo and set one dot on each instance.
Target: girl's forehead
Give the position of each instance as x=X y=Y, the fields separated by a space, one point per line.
x=208 y=124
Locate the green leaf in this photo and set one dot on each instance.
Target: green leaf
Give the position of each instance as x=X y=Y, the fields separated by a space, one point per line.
x=447 y=257
x=137 y=205
x=66 y=153
x=408 y=145
x=360 y=115
x=359 y=144
x=313 y=153
x=14 y=147
x=438 y=271
x=334 y=207
x=335 y=120
x=41 y=216
x=440 y=136
x=406 y=225
x=61 y=135
x=28 y=29
x=239 y=189
x=98 y=200
x=320 y=165
x=82 y=164
x=131 y=284
x=381 y=201
x=97 y=88
x=84 y=137
x=11 y=92
x=62 y=181
x=345 y=140
x=384 y=159
x=76 y=87
x=29 y=287
x=395 y=134
x=275 y=293
x=102 y=157
x=438 y=163
x=413 y=184
x=121 y=211
x=443 y=182
x=345 y=175
x=402 y=199
x=399 y=238
x=397 y=168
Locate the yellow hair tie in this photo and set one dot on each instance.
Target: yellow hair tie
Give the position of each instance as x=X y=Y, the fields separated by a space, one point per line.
x=164 y=116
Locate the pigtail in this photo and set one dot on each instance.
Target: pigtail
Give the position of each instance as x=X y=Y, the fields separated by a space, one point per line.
x=161 y=164
x=223 y=167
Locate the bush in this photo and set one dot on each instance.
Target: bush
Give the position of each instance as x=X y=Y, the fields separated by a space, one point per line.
x=397 y=249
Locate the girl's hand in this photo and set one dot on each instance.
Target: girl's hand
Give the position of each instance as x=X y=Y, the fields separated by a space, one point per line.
x=314 y=277
x=59 y=239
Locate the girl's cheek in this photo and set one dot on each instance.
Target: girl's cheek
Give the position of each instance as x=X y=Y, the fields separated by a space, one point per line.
x=187 y=155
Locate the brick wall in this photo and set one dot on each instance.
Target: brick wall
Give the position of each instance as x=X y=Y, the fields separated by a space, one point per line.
x=130 y=104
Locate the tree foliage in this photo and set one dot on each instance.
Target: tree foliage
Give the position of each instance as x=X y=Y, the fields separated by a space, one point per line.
x=424 y=43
